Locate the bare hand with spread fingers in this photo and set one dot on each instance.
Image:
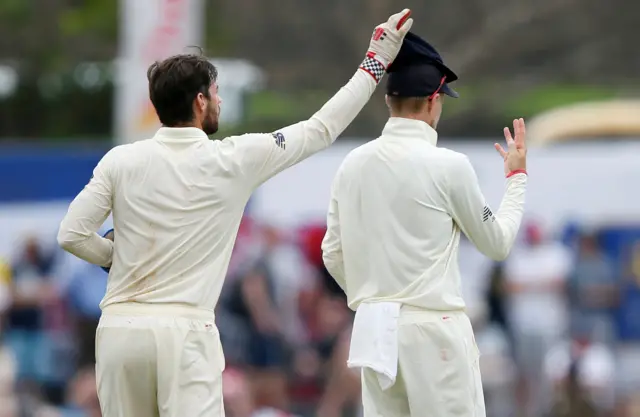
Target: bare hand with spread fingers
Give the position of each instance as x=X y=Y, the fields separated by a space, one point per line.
x=515 y=157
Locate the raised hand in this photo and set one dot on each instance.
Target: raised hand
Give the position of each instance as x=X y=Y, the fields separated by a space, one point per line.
x=515 y=157
x=385 y=43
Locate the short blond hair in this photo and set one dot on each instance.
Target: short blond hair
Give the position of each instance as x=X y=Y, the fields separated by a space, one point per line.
x=403 y=105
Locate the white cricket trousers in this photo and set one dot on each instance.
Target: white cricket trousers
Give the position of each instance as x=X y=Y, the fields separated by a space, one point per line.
x=438 y=370
x=158 y=361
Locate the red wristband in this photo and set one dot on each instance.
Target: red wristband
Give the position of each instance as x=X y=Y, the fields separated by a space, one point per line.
x=517 y=171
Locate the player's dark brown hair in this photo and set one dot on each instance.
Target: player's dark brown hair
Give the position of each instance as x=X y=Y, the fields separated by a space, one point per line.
x=175 y=82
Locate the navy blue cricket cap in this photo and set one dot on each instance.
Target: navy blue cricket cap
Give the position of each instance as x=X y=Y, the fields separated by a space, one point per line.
x=418 y=71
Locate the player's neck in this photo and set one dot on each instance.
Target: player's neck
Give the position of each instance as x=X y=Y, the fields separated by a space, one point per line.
x=194 y=124
x=411 y=116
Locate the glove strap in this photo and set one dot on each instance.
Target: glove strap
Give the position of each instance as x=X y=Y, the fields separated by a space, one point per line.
x=373 y=65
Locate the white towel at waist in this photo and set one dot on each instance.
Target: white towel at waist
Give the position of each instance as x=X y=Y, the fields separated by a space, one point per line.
x=374 y=340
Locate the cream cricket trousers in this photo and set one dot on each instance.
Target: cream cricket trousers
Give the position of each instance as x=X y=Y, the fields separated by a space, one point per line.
x=158 y=361
x=438 y=370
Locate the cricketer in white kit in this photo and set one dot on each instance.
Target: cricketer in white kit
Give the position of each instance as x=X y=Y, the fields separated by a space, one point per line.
x=177 y=200
x=397 y=208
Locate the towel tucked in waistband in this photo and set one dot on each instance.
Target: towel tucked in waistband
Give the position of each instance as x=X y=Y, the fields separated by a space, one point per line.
x=374 y=340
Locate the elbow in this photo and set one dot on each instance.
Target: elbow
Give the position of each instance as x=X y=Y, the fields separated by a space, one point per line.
x=333 y=263
x=318 y=128
x=328 y=260
x=499 y=254
x=67 y=239
x=498 y=245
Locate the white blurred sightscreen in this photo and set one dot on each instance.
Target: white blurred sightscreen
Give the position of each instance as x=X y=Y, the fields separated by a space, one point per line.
x=236 y=78
x=8 y=80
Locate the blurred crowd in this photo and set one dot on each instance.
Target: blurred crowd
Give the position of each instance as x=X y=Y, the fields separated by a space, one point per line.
x=544 y=321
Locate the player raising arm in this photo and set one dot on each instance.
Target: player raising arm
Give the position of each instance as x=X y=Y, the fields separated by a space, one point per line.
x=177 y=200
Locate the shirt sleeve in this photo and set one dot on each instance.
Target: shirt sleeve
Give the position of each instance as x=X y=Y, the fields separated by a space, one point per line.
x=493 y=234
x=332 y=243
x=260 y=156
x=87 y=212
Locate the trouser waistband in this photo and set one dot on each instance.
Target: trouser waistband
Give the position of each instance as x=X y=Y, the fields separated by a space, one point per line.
x=430 y=315
x=164 y=310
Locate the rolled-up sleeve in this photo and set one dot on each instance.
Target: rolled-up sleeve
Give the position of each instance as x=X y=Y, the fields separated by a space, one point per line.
x=87 y=212
x=332 y=243
x=263 y=155
x=493 y=234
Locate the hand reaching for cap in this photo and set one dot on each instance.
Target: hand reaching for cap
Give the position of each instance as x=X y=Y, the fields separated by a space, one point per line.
x=385 y=43
x=387 y=37
x=515 y=157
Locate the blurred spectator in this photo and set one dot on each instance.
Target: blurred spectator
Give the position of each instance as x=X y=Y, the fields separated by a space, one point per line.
x=311 y=239
x=474 y=273
x=342 y=384
x=594 y=291
x=246 y=248
x=497 y=369
x=328 y=347
x=239 y=397
x=5 y=282
x=82 y=395
x=593 y=365
x=253 y=305
x=571 y=400
x=332 y=317
x=496 y=295
x=81 y=399
x=292 y=277
x=8 y=400
x=320 y=369
x=628 y=347
x=33 y=293
x=536 y=275
x=84 y=292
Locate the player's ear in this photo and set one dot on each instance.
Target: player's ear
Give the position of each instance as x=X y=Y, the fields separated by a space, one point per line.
x=201 y=101
x=387 y=101
x=433 y=101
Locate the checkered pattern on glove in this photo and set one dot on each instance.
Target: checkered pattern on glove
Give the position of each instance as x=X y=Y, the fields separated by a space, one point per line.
x=373 y=67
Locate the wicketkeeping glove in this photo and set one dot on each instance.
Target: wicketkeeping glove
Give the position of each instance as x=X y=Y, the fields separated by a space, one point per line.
x=385 y=44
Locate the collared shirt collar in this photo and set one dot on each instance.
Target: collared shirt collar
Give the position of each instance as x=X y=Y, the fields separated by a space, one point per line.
x=400 y=126
x=182 y=134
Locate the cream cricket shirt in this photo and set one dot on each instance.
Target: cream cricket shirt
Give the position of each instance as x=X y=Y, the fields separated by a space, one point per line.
x=177 y=200
x=397 y=208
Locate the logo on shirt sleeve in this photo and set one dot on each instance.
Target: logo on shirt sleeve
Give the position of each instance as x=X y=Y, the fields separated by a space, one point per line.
x=487 y=214
x=279 y=139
